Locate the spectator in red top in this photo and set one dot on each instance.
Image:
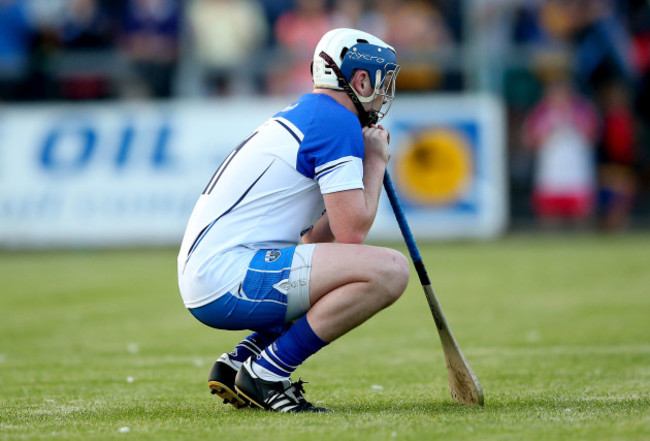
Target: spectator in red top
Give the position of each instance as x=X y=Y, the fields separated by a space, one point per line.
x=561 y=132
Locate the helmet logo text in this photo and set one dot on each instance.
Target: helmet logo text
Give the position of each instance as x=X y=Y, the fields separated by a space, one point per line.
x=354 y=55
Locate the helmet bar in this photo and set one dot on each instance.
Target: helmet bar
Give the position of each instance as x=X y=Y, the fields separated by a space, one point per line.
x=386 y=90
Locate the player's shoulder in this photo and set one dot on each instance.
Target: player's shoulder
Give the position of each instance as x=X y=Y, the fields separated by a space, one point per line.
x=317 y=112
x=328 y=109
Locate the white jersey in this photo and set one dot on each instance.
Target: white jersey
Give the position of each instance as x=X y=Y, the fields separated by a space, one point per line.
x=565 y=164
x=268 y=192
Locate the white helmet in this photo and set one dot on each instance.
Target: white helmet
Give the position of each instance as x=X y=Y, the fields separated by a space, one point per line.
x=341 y=52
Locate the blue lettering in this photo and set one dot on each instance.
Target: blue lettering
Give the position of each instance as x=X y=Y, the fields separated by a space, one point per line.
x=72 y=146
x=161 y=156
x=124 y=149
x=51 y=157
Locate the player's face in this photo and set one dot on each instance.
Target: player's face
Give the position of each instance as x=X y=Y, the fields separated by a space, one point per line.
x=385 y=94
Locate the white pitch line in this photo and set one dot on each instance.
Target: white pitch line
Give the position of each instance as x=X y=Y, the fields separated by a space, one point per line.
x=562 y=350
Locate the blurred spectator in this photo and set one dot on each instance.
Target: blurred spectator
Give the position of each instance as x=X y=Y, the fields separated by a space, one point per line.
x=150 y=38
x=561 y=132
x=526 y=29
x=47 y=15
x=114 y=10
x=602 y=52
x=15 y=34
x=489 y=38
x=297 y=33
x=601 y=43
x=85 y=26
x=415 y=24
x=353 y=14
x=416 y=29
x=274 y=9
x=640 y=30
x=605 y=69
x=453 y=11
x=639 y=17
x=617 y=157
x=227 y=34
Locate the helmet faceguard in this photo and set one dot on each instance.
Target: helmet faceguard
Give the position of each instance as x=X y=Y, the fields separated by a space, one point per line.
x=356 y=50
x=384 y=88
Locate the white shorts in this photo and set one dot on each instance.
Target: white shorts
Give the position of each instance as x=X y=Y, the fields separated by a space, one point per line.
x=298 y=302
x=274 y=291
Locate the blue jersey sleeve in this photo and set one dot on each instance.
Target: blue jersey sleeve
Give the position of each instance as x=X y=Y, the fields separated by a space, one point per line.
x=333 y=138
x=331 y=150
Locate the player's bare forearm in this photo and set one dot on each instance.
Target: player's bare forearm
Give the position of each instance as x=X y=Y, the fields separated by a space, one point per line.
x=374 y=166
x=352 y=212
x=320 y=232
x=373 y=175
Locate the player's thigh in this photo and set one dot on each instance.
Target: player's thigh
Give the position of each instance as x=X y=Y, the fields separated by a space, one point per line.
x=335 y=265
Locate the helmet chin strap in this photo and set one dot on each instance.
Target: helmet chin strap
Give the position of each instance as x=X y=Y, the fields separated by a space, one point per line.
x=366 y=118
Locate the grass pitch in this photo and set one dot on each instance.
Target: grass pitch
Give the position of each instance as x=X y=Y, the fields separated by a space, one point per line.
x=97 y=345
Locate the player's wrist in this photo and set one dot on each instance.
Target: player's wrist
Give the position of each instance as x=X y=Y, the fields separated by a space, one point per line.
x=379 y=159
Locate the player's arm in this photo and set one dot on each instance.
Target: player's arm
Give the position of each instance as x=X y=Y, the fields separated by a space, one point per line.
x=320 y=232
x=350 y=213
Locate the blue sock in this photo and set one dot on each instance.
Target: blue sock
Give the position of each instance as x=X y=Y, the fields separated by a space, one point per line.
x=289 y=351
x=252 y=345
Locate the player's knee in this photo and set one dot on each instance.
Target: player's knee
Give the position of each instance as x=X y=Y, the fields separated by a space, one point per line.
x=401 y=274
x=394 y=275
x=405 y=270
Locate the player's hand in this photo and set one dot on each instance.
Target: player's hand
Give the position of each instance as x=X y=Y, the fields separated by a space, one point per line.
x=382 y=128
x=376 y=140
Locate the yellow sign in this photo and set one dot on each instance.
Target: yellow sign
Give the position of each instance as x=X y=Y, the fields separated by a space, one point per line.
x=435 y=166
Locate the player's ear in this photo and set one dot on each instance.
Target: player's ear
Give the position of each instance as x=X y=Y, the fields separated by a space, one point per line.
x=361 y=82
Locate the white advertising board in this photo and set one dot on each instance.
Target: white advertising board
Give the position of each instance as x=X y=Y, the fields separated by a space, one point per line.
x=448 y=167
x=116 y=174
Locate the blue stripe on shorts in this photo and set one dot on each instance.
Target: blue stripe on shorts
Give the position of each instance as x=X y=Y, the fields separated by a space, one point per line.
x=257 y=305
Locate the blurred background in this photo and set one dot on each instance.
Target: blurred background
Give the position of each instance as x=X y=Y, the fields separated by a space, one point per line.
x=569 y=80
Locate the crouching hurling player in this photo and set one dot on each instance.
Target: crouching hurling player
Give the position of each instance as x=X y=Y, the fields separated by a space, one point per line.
x=274 y=243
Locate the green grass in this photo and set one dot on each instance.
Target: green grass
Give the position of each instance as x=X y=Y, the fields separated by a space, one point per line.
x=557 y=330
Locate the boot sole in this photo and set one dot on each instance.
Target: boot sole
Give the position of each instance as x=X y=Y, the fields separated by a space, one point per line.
x=227 y=394
x=252 y=402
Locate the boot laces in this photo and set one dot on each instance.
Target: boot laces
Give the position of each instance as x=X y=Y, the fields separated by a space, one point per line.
x=295 y=390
